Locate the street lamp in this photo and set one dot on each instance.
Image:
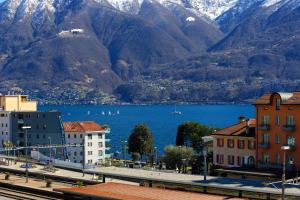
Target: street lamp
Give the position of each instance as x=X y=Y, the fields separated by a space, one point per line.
x=284 y=148
x=204 y=153
x=50 y=156
x=124 y=151
x=155 y=148
x=26 y=150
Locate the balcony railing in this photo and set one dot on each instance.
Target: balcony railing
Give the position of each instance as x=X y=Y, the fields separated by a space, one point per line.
x=264 y=145
x=288 y=128
x=292 y=146
x=264 y=127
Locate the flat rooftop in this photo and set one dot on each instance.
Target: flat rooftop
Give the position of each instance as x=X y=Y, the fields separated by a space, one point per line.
x=132 y=192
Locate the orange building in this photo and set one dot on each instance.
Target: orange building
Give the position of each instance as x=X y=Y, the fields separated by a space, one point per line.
x=278 y=120
x=235 y=146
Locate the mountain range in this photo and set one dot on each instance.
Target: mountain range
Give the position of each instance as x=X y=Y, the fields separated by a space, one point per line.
x=149 y=51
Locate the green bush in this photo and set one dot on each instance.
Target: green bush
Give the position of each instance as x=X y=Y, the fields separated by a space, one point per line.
x=79 y=184
x=48 y=183
x=7 y=175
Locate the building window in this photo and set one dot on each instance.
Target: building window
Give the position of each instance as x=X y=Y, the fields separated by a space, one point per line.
x=230 y=143
x=278 y=102
x=277 y=139
x=220 y=159
x=5 y=125
x=241 y=144
x=291 y=140
x=99 y=135
x=220 y=142
x=290 y=121
x=90 y=161
x=100 y=161
x=81 y=153
x=69 y=136
x=266 y=158
x=89 y=136
x=90 y=144
x=266 y=120
x=277 y=158
x=75 y=135
x=266 y=137
x=90 y=153
x=100 y=153
x=75 y=153
x=230 y=160
x=80 y=135
x=277 y=120
x=44 y=126
x=238 y=160
x=100 y=144
x=37 y=136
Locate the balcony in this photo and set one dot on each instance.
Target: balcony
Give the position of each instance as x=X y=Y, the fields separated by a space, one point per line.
x=292 y=146
x=289 y=128
x=264 y=145
x=264 y=127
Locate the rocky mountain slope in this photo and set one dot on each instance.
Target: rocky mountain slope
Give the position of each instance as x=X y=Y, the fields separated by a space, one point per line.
x=148 y=50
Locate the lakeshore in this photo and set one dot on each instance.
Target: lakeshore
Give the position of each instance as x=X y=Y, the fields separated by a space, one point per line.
x=160 y=119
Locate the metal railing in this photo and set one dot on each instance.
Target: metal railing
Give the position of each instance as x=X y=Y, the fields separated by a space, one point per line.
x=264 y=127
x=288 y=128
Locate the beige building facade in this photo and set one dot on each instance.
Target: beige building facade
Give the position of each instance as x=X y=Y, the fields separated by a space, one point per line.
x=17 y=103
x=235 y=146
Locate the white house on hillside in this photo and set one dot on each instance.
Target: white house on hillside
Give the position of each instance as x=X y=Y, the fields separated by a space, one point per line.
x=92 y=135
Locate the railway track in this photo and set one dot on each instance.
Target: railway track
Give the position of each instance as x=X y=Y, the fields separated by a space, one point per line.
x=21 y=195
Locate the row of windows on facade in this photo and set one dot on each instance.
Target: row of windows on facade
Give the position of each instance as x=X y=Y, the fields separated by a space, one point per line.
x=21 y=116
x=3 y=115
x=266 y=159
x=290 y=120
x=100 y=161
x=240 y=143
x=90 y=136
x=230 y=160
x=29 y=135
x=37 y=127
x=2 y=125
x=90 y=153
x=89 y=144
x=266 y=139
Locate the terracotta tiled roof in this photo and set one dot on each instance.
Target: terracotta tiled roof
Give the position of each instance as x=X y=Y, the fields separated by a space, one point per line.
x=239 y=129
x=132 y=192
x=85 y=126
x=286 y=98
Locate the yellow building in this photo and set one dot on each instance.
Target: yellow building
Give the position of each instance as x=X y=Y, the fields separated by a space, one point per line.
x=17 y=103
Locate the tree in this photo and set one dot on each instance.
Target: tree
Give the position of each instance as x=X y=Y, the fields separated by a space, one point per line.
x=135 y=156
x=141 y=141
x=190 y=134
x=177 y=156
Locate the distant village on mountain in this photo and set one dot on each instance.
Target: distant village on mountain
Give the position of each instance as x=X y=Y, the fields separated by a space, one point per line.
x=92 y=51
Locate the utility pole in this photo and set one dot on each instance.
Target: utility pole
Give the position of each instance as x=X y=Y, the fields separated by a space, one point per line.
x=204 y=151
x=26 y=150
x=284 y=148
x=50 y=154
x=124 y=151
x=83 y=155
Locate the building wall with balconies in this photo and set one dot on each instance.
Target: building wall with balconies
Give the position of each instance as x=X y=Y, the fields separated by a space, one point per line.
x=278 y=124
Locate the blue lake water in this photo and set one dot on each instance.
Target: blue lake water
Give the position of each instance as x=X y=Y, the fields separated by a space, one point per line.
x=159 y=118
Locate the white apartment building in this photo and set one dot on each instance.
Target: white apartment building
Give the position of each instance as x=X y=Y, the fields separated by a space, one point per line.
x=90 y=138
